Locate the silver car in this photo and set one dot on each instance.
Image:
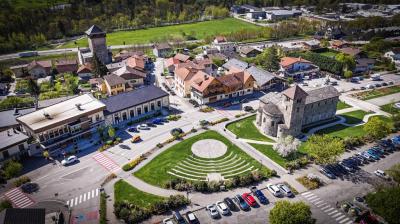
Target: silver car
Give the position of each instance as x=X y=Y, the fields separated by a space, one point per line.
x=212 y=211
x=285 y=190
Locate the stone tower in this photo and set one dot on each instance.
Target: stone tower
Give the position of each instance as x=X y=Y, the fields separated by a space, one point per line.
x=97 y=44
x=293 y=110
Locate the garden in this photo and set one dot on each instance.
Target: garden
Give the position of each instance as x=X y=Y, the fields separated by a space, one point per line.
x=246 y=129
x=367 y=95
x=390 y=108
x=178 y=166
x=134 y=206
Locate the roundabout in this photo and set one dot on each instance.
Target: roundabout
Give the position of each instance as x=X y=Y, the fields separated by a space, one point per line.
x=209 y=148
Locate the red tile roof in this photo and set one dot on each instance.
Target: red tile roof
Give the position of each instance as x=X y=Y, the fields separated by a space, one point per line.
x=287 y=61
x=136 y=62
x=171 y=61
x=86 y=68
x=182 y=57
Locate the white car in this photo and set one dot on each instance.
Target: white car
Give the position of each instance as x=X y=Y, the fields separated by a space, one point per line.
x=69 y=160
x=285 y=190
x=143 y=127
x=168 y=221
x=212 y=210
x=222 y=208
x=274 y=190
x=381 y=174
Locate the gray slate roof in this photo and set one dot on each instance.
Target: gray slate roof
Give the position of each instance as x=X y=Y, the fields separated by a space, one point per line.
x=323 y=93
x=132 y=98
x=236 y=64
x=94 y=30
x=261 y=76
x=23 y=216
x=11 y=137
x=7 y=117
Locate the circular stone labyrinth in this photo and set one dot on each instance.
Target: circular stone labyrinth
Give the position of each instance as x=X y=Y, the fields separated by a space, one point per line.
x=209 y=148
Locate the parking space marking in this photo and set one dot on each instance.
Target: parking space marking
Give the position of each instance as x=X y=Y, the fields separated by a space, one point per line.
x=350 y=222
x=336 y=215
x=18 y=198
x=320 y=205
x=328 y=210
x=314 y=200
x=306 y=193
x=312 y=197
x=83 y=198
x=333 y=212
x=340 y=217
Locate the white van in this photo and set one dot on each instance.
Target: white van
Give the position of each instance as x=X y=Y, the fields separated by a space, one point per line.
x=375 y=77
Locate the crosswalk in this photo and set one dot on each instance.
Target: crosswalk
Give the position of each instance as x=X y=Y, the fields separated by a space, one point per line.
x=336 y=215
x=83 y=198
x=106 y=162
x=18 y=198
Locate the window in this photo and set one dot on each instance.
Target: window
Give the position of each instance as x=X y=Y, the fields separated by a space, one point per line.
x=21 y=147
x=159 y=103
x=264 y=119
x=286 y=107
x=151 y=106
x=97 y=117
x=146 y=109
x=131 y=113
x=6 y=154
x=272 y=123
x=298 y=100
x=139 y=111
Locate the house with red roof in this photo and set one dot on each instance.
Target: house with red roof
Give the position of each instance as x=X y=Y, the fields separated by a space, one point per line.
x=297 y=68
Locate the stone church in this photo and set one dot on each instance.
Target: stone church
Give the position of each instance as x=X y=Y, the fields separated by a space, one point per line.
x=97 y=46
x=286 y=113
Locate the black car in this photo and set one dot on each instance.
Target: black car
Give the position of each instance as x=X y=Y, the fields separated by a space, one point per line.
x=30 y=187
x=248 y=108
x=384 y=84
x=176 y=130
x=333 y=169
x=386 y=145
x=231 y=205
x=341 y=169
x=150 y=124
x=178 y=217
x=327 y=173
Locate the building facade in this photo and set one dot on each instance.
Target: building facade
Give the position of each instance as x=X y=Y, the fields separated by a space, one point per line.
x=97 y=46
x=286 y=113
x=13 y=144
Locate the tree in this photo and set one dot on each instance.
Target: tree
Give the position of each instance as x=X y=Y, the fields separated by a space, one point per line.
x=394 y=172
x=286 y=212
x=99 y=68
x=111 y=132
x=324 y=149
x=396 y=121
x=347 y=60
x=269 y=59
x=12 y=169
x=46 y=154
x=377 y=128
x=348 y=74
x=286 y=146
x=34 y=90
x=386 y=203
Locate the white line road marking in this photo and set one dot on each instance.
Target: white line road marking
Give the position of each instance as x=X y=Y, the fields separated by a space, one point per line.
x=67 y=203
x=76 y=201
x=92 y=193
x=97 y=192
x=311 y=197
x=314 y=200
x=320 y=205
x=80 y=199
x=350 y=222
x=306 y=193
x=333 y=212
x=330 y=209
x=340 y=217
x=336 y=215
x=88 y=195
x=318 y=202
x=344 y=220
x=84 y=197
x=325 y=207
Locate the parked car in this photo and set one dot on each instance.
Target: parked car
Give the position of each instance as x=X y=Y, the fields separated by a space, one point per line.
x=222 y=208
x=381 y=174
x=143 y=127
x=176 y=130
x=69 y=160
x=132 y=129
x=372 y=155
x=327 y=173
x=29 y=187
x=387 y=145
x=274 y=190
x=212 y=211
x=194 y=102
x=384 y=84
x=347 y=166
x=261 y=197
x=136 y=138
x=241 y=202
x=285 y=190
x=231 y=205
x=377 y=85
x=249 y=199
x=390 y=83
x=333 y=83
x=157 y=121
x=359 y=199
x=248 y=108
x=333 y=169
x=178 y=217
x=150 y=124
x=227 y=104
x=363 y=88
x=370 y=86
x=191 y=218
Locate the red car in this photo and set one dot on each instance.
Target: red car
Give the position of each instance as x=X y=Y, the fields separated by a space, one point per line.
x=249 y=199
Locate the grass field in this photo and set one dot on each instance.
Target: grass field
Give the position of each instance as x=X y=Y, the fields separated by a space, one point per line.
x=377 y=93
x=354 y=117
x=269 y=152
x=156 y=172
x=389 y=108
x=35 y=3
x=20 y=61
x=123 y=191
x=342 y=105
x=329 y=53
x=245 y=128
x=198 y=30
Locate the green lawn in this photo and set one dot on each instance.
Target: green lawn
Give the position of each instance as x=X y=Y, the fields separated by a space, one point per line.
x=389 y=108
x=329 y=53
x=268 y=151
x=245 y=128
x=342 y=105
x=123 y=191
x=354 y=117
x=156 y=172
x=199 y=30
x=377 y=93
x=20 y=61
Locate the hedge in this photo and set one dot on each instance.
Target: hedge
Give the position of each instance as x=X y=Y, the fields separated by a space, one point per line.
x=323 y=62
x=103 y=208
x=132 y=164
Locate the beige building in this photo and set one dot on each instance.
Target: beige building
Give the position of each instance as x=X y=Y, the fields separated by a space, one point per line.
x=288 y=112
x=113 y=84
x=56 y=126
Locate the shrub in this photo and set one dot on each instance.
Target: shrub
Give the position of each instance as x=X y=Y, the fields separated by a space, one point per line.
x=219 y=121
x=109 y=178
x=160 y=145
x=213 y=186
x=132 y=164
x=174 y=117
x=5 y=204
x=351 y=142
x=20 y=181
x=193 y=130
x=206 y=109
x=12 y=169
x=109 y=142
x=309 y=182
